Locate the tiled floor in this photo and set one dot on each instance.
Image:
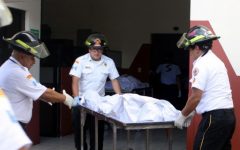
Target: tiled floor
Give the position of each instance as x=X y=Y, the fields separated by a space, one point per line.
x=158 y=141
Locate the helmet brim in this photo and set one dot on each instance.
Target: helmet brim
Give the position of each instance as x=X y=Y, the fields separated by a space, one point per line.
x=184 y=43
x=38 y=50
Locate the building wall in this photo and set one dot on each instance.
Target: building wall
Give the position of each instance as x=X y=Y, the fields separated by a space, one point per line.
x=127 y=24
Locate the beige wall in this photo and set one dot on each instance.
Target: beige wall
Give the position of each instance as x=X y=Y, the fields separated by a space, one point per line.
x=126 y=23
x=225 y=22
x=32 y=20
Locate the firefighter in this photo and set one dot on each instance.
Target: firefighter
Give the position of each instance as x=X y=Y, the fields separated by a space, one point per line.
x=18 y=83
x=90 y=72
x=211 y=94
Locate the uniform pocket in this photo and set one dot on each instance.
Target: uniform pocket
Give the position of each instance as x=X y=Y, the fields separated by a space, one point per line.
x=103 y=74
x=86 y=72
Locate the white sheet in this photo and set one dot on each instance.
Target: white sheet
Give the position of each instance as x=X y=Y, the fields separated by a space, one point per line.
x=130 y=108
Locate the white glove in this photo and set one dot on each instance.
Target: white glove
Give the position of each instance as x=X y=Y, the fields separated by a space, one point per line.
x=189 y=119
x=183 y=121
x=180 y=121
x=76 y=100
x=69 y=101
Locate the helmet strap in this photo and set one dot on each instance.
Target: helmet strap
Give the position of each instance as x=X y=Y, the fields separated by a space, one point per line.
x=205 y=46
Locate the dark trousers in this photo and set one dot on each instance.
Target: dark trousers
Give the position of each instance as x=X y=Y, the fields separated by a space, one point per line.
x=215 y=130
x=89 y=126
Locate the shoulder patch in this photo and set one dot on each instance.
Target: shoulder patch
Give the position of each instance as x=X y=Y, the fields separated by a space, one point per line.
x=195 y=71
x=1 y=93
x=29 y=76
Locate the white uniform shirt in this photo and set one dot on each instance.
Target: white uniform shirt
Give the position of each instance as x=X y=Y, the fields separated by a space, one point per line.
x=20 y=87
x=93 y=74
x=12 y=136
x=209 y=74
x=169 y=73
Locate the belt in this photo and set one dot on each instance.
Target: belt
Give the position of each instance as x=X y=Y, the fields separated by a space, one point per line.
x=218 y=111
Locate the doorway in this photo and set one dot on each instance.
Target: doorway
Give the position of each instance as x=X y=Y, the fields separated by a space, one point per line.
x=163 y=46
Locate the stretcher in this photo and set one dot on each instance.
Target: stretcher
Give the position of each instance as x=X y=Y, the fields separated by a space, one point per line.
x=116 y=124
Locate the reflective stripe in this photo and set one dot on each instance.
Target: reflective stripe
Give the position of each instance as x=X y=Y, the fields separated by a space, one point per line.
x=209 y=124
x=193 y=40
x=32 y=50
x=87 y=43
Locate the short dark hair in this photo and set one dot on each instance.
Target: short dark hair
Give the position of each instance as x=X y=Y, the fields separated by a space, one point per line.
x=205 y=46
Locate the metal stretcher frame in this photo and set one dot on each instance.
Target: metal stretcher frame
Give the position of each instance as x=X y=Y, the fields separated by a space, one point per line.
x=127 y=126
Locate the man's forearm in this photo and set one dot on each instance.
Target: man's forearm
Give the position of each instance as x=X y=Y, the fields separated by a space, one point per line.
x=75 y=86
x=52 y=96
x=116 y=86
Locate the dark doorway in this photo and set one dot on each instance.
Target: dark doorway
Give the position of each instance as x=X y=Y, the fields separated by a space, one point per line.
x=17 y=25
x=164 y=45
